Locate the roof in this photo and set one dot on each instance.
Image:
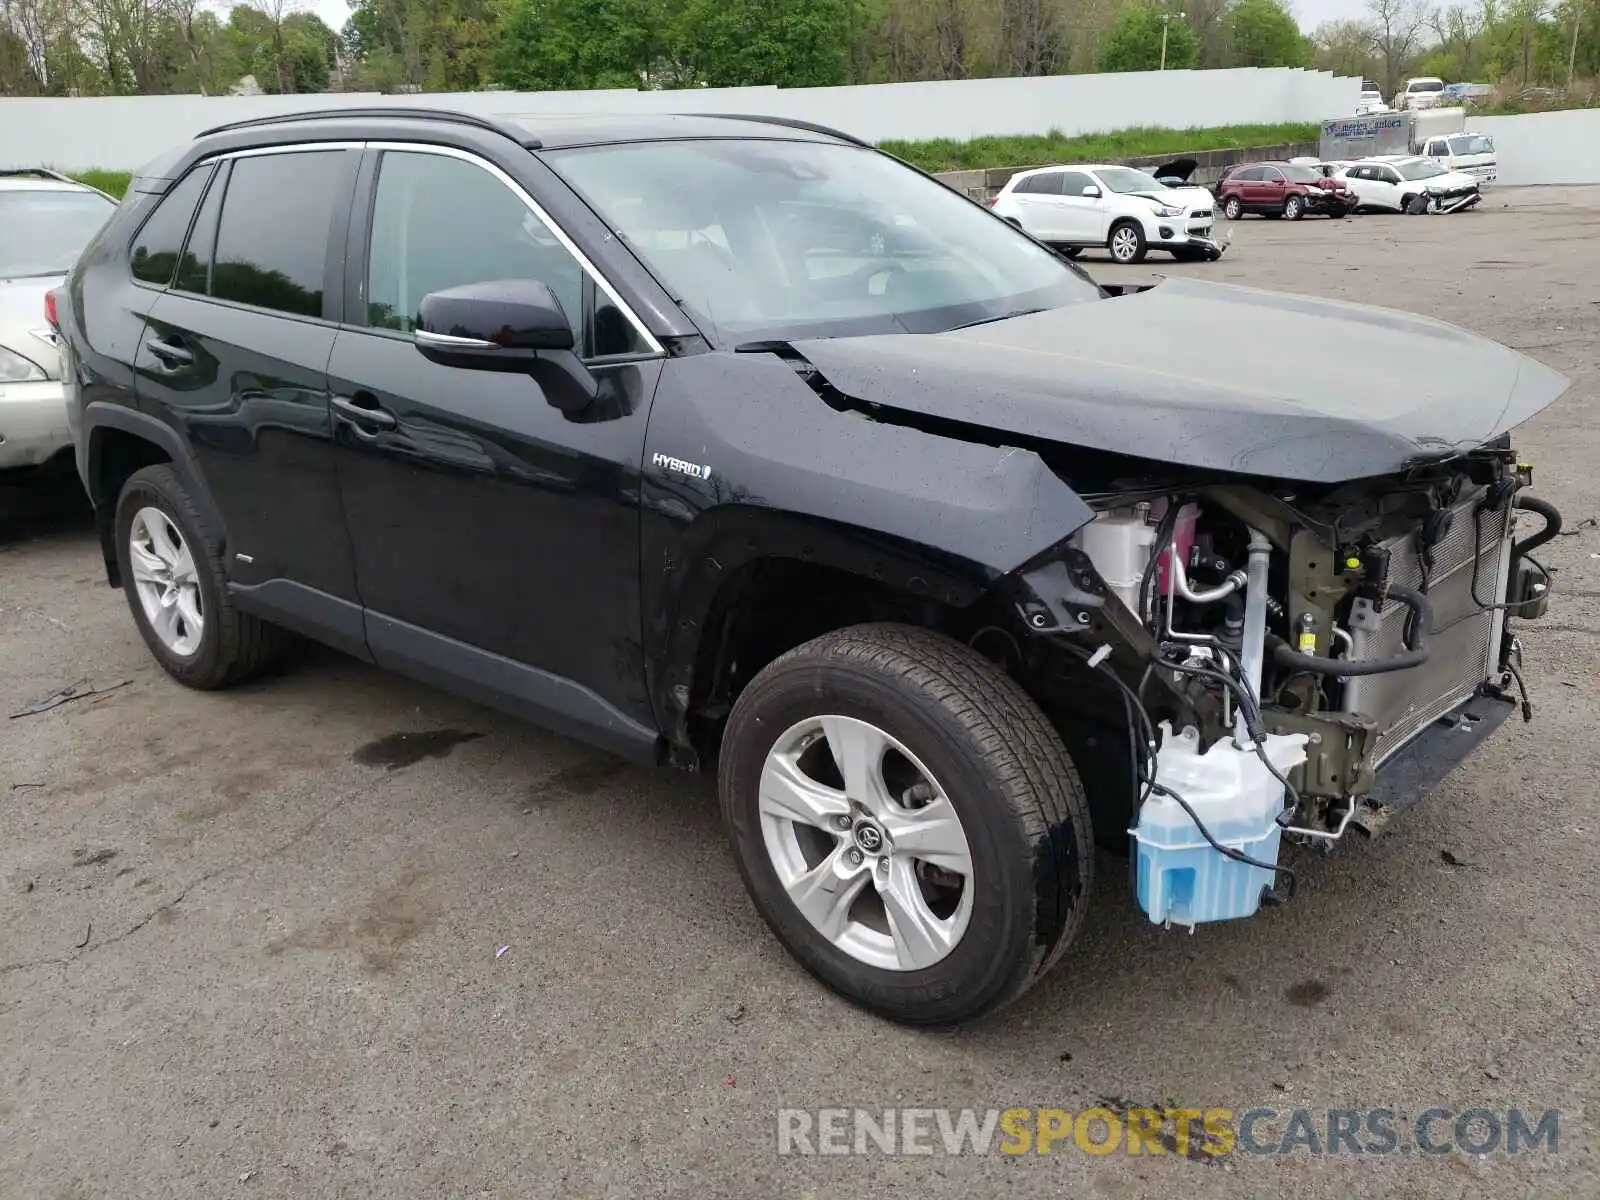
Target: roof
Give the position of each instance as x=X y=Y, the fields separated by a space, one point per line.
x=560 y=131
x=555 y=131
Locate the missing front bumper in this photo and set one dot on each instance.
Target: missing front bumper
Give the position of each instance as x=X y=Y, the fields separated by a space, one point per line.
x=1416 y=771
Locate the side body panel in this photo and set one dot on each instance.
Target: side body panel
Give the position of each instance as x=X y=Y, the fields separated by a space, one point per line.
x=777 y=473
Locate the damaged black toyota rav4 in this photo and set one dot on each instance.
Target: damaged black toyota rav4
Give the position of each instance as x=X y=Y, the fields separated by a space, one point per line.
x=734 y=444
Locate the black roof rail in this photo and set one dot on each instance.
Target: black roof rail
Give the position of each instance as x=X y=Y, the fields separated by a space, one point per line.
x=370 y=112
x=788 y=123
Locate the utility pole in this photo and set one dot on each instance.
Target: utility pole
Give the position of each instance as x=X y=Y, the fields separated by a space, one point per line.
x=1166 y=19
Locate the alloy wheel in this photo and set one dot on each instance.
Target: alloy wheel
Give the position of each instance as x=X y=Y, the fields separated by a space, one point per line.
x=866 y=843
x=1124 y=244
x=165 y=577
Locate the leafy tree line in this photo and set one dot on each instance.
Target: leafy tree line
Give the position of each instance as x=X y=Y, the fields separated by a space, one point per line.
x=1521 y=43
x=119 y=47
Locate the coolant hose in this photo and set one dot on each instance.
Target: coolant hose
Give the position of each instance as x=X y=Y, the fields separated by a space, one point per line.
x=1418 y=630
x=1552 y=524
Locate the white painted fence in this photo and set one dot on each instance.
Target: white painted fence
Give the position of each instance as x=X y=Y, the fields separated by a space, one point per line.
x=122 y=133
x=1553 y=147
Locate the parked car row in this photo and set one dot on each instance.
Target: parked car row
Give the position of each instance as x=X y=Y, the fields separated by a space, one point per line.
x=1336 y=188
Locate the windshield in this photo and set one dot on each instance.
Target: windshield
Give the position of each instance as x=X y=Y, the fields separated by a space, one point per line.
x=1301 y=174
x=1471 y=143
x=1419 y=169
x=42 y=231
x=1126 y=179
x=1426 y=85
x=779 y=240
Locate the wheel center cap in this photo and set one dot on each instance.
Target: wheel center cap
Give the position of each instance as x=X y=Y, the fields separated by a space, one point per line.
x=869 y=837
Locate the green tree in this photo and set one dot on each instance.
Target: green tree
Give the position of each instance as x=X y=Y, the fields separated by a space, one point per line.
x=790 y=43
x=1262 y=33
x=1135 y=41
x=561 y=44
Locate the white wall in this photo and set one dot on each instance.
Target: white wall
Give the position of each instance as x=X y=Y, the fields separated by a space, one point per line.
x=1553 y=147
x=122 y=133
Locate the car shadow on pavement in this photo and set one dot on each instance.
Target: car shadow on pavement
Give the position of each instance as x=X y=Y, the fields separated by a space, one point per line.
x=42 y=503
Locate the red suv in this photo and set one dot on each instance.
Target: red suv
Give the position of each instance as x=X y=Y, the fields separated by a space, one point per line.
x=1281 y=189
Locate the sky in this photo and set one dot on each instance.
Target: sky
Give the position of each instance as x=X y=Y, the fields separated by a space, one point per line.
x=1310 y=13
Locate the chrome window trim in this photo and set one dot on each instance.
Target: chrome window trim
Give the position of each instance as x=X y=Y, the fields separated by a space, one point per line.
x=600 y=281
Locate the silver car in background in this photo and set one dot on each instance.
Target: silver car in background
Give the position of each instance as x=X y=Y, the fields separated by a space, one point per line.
x=46 y=220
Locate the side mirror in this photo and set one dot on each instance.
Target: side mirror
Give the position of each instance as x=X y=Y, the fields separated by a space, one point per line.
x=507 y=325
x=1091 y=192
x=500 y=324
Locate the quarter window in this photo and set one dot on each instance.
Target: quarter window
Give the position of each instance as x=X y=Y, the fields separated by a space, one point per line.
x=155 y=250
x=272 y=243
x=194 y=269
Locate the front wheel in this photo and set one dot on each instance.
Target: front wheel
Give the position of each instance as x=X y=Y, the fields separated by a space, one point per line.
x=1126 y=242
x=1294 y=208
x=907 y=822
x=1232 y=209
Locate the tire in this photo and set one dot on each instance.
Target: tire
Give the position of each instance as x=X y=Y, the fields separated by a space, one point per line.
x=1338 y=212
x=1126 y=243
x=995 y=762
x=1406 y=203
x=1232 y=209
x=230 y=645
x=1072 y=251
x=1294 y=208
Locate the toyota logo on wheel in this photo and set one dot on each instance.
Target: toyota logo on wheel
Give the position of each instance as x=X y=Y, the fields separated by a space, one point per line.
x=869 y=837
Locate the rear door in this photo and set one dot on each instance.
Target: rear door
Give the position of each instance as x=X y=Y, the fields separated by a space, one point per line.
x=235 y=355
x=496 y=537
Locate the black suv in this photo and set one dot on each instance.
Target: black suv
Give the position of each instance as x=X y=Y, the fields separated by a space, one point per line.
x=734 y=443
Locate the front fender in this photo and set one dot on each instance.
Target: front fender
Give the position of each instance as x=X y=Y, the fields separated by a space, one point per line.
x=744 y=461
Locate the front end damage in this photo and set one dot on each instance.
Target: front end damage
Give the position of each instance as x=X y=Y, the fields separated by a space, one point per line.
x=1292 y=662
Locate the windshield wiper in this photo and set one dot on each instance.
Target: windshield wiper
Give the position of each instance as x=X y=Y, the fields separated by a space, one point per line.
x=1021 y=312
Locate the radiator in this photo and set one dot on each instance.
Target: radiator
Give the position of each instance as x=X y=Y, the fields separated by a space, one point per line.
x=1465 y=653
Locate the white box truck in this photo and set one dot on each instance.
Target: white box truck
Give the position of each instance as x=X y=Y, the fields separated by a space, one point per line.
x=1439 y=133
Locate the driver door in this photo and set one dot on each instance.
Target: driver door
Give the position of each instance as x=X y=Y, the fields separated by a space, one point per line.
x=496 y=537
x=1387 y=187
x=1272 y=189
x=1083 y=216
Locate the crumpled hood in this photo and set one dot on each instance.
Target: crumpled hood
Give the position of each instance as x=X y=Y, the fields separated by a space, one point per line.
x=1213 y=376
x=22 y=316
x=1179 y=197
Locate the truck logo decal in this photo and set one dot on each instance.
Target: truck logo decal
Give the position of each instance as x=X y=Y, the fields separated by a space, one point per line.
x=693 y=470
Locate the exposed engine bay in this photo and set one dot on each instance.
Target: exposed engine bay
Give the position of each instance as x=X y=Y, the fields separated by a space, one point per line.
x=1281 y=652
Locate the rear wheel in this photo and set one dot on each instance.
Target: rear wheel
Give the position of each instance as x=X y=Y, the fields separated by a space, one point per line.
x=1232 y=209
x=907 y=822
x=1071 y=251
x=177 y=590
x=1126 y=242
x=1294 y=208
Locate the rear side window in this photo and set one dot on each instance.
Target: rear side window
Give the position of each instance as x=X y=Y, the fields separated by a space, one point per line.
x=155 y=250
x=1245 y=175
x=272 y=242
x=1035 y=185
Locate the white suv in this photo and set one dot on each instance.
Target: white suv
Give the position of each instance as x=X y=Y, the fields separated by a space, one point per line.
x=1127 y=211
x=45 y=220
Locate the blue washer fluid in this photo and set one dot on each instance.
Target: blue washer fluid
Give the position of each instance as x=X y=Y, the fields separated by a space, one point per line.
x=1179 y=877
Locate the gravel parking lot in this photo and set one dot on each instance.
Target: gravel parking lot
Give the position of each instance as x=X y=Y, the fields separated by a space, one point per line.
x=248 y=941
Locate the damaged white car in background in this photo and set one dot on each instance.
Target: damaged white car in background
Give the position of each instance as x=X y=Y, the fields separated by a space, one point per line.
x=1409 y=183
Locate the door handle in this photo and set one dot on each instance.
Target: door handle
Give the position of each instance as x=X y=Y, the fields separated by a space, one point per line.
x=364 y=411
x=171 y=354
